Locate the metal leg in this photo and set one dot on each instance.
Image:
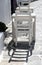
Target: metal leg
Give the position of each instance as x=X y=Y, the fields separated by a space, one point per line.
x=9 y=53
x=27 y=56
x=11 y=56
x=30 y=50
x=11 y=47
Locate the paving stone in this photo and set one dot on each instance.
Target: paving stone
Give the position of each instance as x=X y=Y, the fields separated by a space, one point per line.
x=34 y=60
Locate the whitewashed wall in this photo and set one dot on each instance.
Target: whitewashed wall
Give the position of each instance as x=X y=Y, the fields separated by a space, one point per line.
x=5 y=11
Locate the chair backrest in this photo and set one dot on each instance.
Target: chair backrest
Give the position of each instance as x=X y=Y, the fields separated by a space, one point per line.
x=23 y=2
x=21 y=21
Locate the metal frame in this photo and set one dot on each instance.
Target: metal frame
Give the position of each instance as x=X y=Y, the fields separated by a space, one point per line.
x=22 y=18
x=17 y=29
x=33 y=24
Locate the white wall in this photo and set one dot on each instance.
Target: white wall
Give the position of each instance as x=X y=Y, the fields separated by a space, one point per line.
x=5 y=11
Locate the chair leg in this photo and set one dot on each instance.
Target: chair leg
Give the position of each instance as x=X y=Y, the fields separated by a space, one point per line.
x=27 y=56
x=11 y=56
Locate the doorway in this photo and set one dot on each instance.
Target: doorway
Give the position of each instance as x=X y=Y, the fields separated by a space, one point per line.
x=13 y=6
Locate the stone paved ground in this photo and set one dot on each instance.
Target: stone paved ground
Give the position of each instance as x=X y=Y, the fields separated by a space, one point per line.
x=36 y=58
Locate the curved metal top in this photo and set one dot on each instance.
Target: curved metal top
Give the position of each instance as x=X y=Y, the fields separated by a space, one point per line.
x=23 y=2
